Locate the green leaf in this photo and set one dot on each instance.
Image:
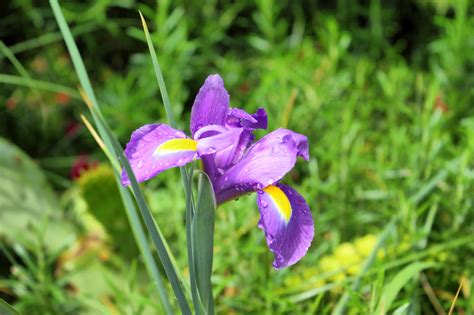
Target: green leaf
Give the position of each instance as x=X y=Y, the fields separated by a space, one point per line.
x=392 y=289
x=203 y=240
x=159 y=75
x=7 y=309
x=112 y=145
x=39 y=85
x=189 y=219
x=27 y=200
x=340 y=307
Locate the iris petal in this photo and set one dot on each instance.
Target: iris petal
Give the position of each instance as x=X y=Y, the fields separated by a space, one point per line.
x=154 y=148
x=286 y=219
x=237 y=117
x=221 y=142
x=211 y=104
x=264 y=164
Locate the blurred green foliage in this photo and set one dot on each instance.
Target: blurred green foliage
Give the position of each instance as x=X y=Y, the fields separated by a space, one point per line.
x=383 y=89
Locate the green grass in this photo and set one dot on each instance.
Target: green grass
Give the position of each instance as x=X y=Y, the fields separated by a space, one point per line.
x=391 y=129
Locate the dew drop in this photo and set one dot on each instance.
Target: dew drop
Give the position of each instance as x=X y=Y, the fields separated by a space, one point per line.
x=264 y=203
x=210 y=150
x=270 y=181
x=226 y=178
x=140 y=164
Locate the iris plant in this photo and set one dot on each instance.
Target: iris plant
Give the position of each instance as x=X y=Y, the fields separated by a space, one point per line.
x=222 y=137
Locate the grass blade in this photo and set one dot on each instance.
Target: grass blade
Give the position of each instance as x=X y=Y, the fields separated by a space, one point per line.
x=342 y=303
x=7 y=309
x=184 y=175
x=39 y=85
x=114 y=146
x=135 y=223
x=203 y=240
x=160 y=243
x=189 y=220
x=392 y=289
x=159 y=75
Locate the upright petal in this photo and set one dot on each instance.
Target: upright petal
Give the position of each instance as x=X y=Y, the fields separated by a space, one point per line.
x=211 y=104
x=154 y=148
x=264 y=164
x=286 y=219
x=237 y=117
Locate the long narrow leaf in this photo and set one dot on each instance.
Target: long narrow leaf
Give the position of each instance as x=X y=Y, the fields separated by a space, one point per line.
x=184 y=175
x=160 y=243
x=83 y=78
x=189 y=220
x=203 y=240
x=37 y=84
x=135 y=224
x=392 y=288
x=342 y=303
x=7 y=309
x=159 y=75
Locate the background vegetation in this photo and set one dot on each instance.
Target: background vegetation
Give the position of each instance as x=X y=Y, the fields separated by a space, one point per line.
x=383 y=89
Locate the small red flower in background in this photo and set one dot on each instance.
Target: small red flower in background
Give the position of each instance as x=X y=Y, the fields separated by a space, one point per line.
x=439 y=104
x=72 y=128
x=11 y=103
x=62 y=98
x=81 y=164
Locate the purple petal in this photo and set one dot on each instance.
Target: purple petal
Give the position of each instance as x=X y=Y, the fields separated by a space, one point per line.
x=286 y=219
x=237 y=117
x=219 y=142
x=154 y=148
x=211 y=104
x=264 y=164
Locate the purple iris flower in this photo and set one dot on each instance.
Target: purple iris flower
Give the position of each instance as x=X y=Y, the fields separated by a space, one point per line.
x=222 y=137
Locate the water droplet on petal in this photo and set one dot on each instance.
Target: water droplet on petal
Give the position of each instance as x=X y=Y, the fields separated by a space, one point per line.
x=270 y=181
x=140 y=164
x=210 y=150
x=220 y=170
x=264 y=203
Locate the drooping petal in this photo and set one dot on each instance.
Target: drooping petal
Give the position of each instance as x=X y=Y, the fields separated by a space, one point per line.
x=286 y=219
x=237 y=117
x=211 y=104
x=154 y=148
x=264 y=164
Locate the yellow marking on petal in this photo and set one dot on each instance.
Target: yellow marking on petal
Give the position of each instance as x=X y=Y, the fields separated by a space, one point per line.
x=175 y=145
x=281 y=201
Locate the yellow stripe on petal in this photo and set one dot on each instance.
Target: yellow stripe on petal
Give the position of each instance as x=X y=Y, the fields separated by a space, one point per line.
x=177 y=145
x=280 y=200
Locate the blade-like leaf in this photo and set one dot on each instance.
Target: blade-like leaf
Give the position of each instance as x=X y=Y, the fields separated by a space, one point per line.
x=189 y=219
x=7 y=309
x=37 y=84
x=159 y=75
x=112 y=145
x=392 y=288
x=342 y=303
x=203 y=240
